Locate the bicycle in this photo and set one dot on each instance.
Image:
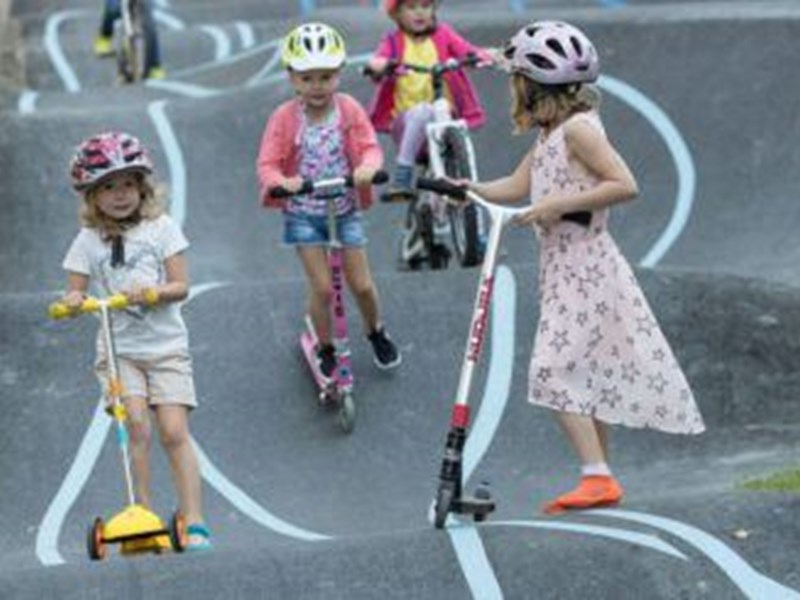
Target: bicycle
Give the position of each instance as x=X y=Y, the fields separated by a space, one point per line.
x=449 y=152
x=132 y=59
x=336 y=391
x=449 y=494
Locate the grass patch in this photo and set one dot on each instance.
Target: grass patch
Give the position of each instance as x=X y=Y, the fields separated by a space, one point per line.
x=782 y=481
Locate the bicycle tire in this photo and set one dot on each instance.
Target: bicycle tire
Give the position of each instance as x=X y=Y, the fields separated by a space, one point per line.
x=464 y=220
x=133 y=49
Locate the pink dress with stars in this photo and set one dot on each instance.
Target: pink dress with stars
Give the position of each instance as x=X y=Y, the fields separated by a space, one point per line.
x=598 y=352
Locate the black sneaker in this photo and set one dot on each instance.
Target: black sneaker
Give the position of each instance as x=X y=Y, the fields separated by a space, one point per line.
x=326 y=360
x=387 y=356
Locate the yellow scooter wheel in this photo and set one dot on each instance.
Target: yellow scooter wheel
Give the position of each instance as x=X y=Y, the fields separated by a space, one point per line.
x=178 y=536
x=95 y=544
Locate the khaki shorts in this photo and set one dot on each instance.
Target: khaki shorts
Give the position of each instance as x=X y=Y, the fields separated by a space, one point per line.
x=161 y=380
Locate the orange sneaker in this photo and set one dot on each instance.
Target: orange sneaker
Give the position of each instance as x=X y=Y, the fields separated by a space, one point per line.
x=593 y=491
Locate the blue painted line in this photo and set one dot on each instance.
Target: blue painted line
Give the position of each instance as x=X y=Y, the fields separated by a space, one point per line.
x=306 y=7
x=474 y=563
x=518 y=6
x=177 y=166
x=680 y=154
x=752 y=583
x=632 y=537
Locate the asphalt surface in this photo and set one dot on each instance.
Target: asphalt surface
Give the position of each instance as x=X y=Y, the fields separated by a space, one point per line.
x=700 y=99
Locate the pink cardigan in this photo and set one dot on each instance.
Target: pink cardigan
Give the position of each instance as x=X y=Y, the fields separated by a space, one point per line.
x=279 y=155
x=448 y=45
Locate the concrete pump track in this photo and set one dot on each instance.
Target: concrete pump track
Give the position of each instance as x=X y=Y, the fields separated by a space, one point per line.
x=700 y=97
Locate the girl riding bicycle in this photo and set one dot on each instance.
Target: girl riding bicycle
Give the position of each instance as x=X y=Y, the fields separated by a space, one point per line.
x=104 y=42
x=323 y=134
x=403 y=105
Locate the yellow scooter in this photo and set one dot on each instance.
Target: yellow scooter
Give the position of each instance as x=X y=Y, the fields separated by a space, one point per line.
x=137 y=528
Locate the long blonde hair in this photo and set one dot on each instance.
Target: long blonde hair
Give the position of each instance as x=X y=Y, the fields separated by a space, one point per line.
x=151 y=207
x=537 y=105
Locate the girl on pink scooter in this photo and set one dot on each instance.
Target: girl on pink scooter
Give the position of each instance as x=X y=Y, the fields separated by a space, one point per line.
x=324 y=134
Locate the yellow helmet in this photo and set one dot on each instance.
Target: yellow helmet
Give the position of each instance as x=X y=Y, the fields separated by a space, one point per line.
x=313 y=46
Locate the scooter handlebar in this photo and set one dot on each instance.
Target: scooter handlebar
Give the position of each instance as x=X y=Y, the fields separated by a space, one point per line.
x=309 y=185
x=59 y=310
x=460 y=193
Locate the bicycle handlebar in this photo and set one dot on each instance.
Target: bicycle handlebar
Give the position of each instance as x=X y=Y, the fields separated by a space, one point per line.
x=309 y=185
x=462 y=193
x=436 y=70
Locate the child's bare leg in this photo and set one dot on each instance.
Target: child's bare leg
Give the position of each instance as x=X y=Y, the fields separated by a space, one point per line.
x=140 y=436
x=359 y=280
x=585 y=437
x=602 y=435
x=173 y=427
x=315 y=264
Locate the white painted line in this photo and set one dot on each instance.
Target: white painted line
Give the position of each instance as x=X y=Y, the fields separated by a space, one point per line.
x=249 y=506
x=498 y=381
x=177 y=167
x=246 y=35
x=752 y=583
x=26 y=104
x=162 y=4
x=168 y=20
x=88 y=451
x=632 y=537
x=53 y=47
x=222 y=44
x=207 y=66
x=474 y=563
x=268 y=67
x=184 y=89
x=680 y=154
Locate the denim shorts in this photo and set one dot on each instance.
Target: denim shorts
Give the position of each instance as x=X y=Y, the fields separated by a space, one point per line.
x=312 y=230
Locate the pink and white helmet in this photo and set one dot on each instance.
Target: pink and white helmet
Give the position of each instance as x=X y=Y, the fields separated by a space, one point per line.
x=390 y=6
x=552 y=53
x=105 y=154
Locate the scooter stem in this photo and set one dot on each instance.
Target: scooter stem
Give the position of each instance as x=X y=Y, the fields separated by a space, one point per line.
x=115 y=393
x=480 y=320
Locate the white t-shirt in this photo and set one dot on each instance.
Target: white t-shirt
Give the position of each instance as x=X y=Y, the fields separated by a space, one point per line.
x=139 y=331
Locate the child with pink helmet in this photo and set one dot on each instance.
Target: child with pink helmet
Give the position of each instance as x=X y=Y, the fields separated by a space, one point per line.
x=129 y=246
x=402 y=105
x=599 y=356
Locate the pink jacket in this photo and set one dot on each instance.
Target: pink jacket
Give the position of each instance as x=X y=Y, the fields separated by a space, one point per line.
x=279 y=155
x=448 y=45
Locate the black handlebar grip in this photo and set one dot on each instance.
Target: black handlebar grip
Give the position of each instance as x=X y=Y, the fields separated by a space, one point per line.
x=445 y=188
x=583 y=217
x=279 y=191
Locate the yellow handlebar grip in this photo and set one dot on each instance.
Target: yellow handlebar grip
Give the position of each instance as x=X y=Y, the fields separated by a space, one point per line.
x=151 y=296
x=59 y=310
x=90 y=305
x=118 y=302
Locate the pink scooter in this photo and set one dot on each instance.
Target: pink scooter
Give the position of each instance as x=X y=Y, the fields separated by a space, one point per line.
x=336 y=391
x=449 y=496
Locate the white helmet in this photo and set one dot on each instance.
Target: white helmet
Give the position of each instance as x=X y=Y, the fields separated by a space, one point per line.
x=553 y=52
x=313 y=46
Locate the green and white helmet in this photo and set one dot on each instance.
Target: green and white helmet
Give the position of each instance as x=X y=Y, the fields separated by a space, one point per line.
x=313 y=46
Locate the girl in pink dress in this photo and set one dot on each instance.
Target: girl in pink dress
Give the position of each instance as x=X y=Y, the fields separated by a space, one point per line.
x=599 y=355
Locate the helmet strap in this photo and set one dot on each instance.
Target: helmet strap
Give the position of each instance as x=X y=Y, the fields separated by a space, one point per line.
x=117 y=252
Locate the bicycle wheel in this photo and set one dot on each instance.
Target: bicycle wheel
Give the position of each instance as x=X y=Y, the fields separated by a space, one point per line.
x=464 y=222
x=133 y=51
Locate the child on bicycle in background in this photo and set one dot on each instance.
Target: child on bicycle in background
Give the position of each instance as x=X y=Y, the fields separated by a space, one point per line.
x=599 y=356
x=127 y=245
x=402 y=105
x=104 y=42
x=324 y=134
